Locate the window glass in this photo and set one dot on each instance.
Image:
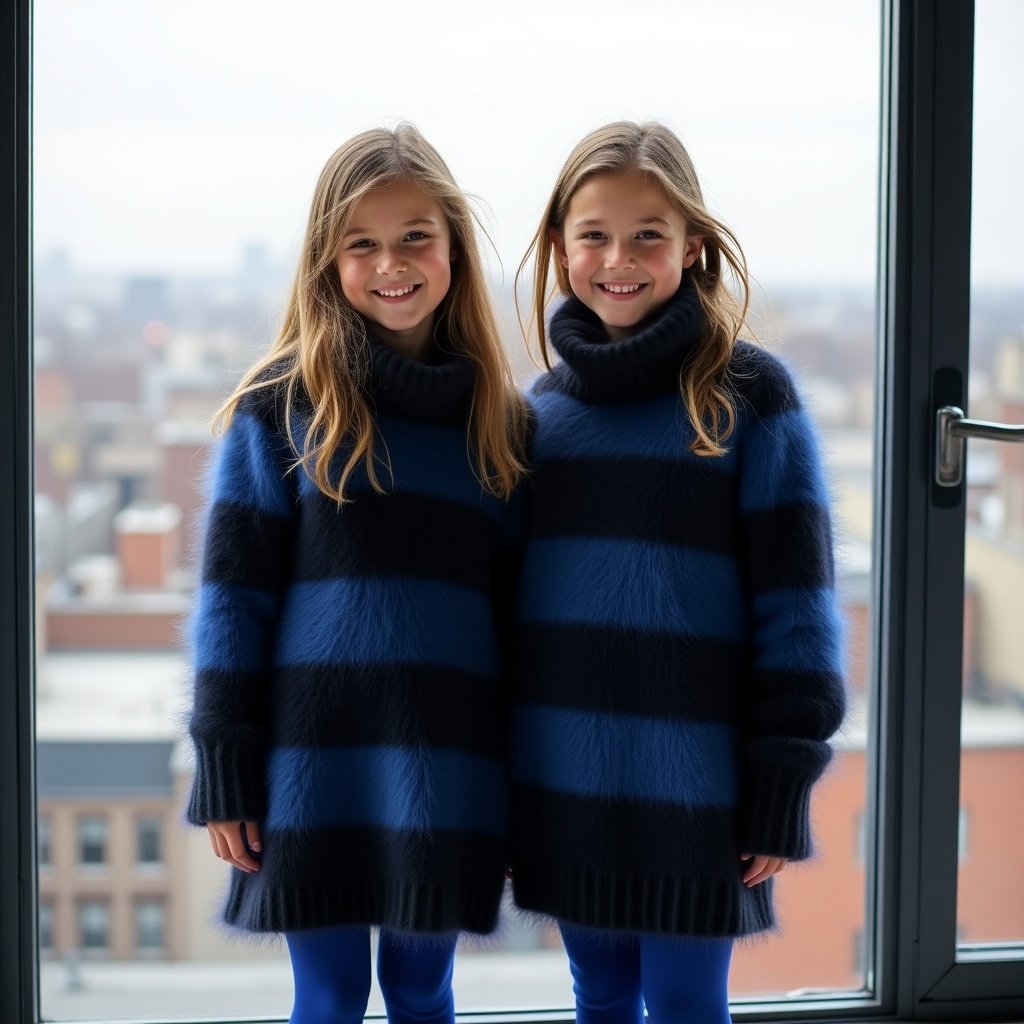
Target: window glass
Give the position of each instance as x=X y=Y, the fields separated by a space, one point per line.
x=92 y=840
x=43 y=840
x=150 y=924
x=990 y=889
x=93 y=925
x=176 y=148
x=45 y=925
x=147 y=834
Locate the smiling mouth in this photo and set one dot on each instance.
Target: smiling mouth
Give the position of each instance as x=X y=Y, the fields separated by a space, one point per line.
x=396 y=293
x=623 y=290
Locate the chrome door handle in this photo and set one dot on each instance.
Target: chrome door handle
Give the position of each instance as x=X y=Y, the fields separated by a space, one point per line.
x=951 y=429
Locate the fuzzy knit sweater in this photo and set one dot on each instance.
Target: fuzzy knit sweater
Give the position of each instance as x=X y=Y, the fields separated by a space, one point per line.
x=347 y=686
x=678 y=638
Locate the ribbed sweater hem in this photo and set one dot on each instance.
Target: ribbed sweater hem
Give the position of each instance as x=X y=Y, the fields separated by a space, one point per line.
x=397 y=906
x=628 y=900
x=228 y=783
x=777 y=812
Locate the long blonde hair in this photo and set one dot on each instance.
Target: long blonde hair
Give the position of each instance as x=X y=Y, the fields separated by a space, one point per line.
x=322 y=352
x=654 y=150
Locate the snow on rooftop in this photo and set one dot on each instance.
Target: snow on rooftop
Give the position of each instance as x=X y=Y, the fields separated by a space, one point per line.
x=111 y=695
x=154 y=518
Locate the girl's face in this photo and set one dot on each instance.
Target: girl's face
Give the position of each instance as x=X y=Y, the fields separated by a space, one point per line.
x=625 y=247
x=394 y=264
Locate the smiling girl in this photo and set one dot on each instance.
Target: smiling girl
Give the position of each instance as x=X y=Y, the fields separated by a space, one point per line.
x=679 y=641
x=348 y=720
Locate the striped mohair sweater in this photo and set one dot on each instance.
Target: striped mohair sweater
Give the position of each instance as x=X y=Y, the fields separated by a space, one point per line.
x=347 y=685
x=678 y=641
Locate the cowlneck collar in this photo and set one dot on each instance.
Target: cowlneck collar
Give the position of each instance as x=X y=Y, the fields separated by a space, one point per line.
x=596 y=369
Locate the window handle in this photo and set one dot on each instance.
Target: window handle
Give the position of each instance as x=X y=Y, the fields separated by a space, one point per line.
x=952 y=429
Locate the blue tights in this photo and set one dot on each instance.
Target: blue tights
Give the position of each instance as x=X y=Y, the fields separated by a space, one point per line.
x=679 y=979
x=332 y=976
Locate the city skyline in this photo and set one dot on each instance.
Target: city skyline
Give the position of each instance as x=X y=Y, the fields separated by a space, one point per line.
x=232 y=110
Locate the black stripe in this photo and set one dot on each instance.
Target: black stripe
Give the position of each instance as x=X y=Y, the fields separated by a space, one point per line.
x=760 y=382
x=230 y=695
x=388 y=705
x=567 y=828
x=628 y=671
x=396 y=534
x=441 y=855
x=246 y=547
x=788 y=546
x=660 y=500
x=797 y=704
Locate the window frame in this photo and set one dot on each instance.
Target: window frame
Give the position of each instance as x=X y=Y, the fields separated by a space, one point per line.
x=923 y=297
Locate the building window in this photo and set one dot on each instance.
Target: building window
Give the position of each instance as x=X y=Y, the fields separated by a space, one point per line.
x=45 y=922
x=147 y=840
x=150 y=926
x=94 y=925
x=44 y=828
x=92 y=840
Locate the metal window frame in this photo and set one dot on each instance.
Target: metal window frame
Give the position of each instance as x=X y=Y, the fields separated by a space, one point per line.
x=19 y=986
x=923 y=300
x=925 y=304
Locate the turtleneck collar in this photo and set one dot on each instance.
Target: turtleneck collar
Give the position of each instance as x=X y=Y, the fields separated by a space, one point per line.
x=597 y=369
x=439 y=391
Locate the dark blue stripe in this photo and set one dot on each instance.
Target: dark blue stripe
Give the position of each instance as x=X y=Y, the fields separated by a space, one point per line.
x=394 y=705
x=658 y=428
x=231 y=627
x=664 y=501
x=246 y=468
x=634 y=584
x=799 y=630
x=386 y=787
x=246 y=547
x=424 y=458
x=781 y=464
x=396 y=534
x=787 y=547
x=624 y=756
x=639 y=672
x=366 y=620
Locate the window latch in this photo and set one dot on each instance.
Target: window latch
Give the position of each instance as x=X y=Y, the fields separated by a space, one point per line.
x=951 y=431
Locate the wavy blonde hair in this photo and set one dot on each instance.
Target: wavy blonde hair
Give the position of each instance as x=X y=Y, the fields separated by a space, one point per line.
x=653 y=150
x=322 y=351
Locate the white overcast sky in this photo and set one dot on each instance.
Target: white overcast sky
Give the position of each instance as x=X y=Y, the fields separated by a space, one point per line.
x=168 y=135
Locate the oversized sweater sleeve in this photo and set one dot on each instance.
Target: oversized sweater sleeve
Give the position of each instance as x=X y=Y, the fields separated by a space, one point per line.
x=246 y=557
x=795 y=698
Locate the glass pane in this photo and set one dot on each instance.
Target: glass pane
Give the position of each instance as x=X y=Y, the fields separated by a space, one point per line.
x=990 y=892
x=93 y=925
x=149 y=925
x=176 y=147
x=148 y=841
x=92 y=840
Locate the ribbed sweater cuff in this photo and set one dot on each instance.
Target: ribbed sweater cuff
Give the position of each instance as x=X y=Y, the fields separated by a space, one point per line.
x=229 y=783
x=776 y=815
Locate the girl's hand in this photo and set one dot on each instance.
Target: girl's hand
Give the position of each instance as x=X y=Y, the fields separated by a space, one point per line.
x=232 y=841
x=760 y=868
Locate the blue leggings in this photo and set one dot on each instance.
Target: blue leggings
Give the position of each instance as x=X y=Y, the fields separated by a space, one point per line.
x=332 y=976
x=679 y=979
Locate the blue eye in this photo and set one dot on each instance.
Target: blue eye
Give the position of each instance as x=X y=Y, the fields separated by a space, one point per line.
x=648 y=235
x=361 y=243
x=592 y=236
x=416 y=236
